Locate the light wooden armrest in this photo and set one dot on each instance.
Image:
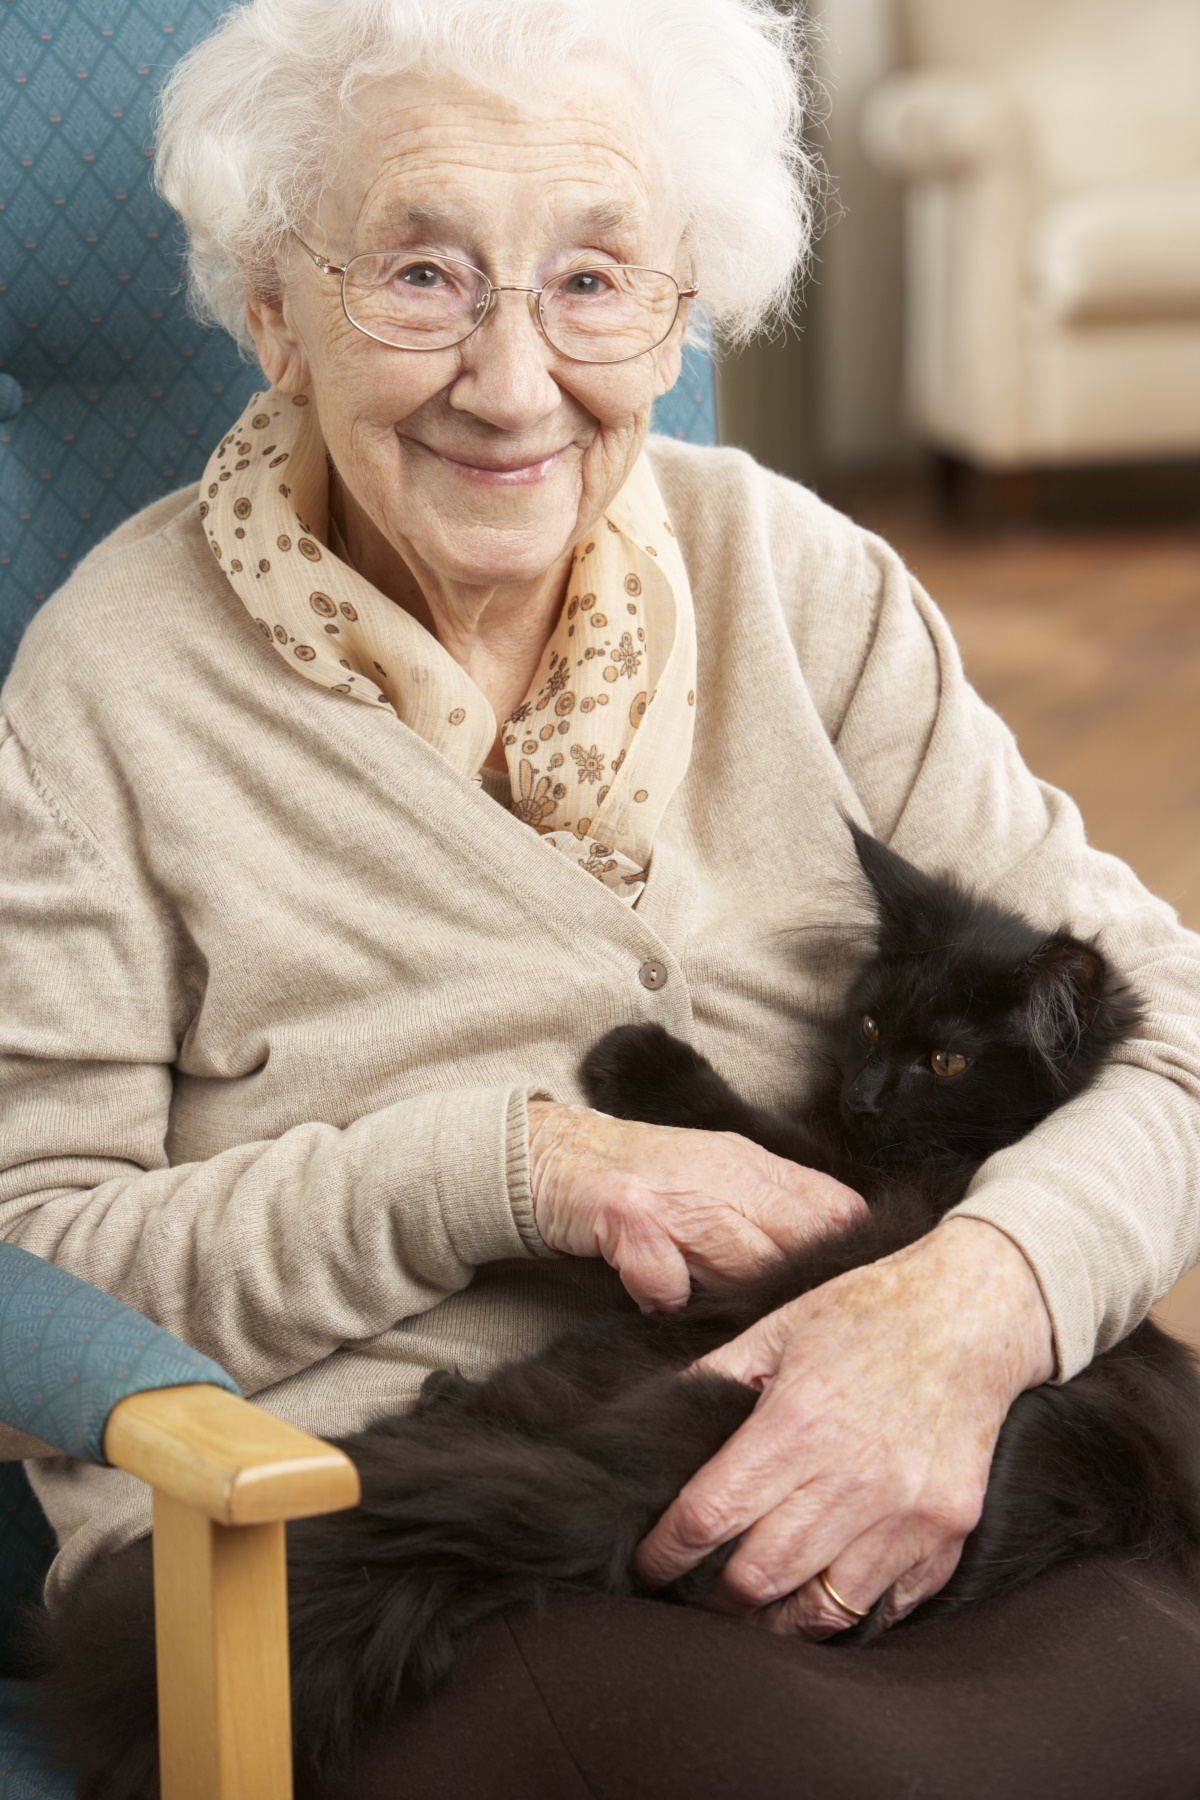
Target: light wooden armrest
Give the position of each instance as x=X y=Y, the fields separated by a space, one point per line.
x=226 y=1476
x=230 y=1460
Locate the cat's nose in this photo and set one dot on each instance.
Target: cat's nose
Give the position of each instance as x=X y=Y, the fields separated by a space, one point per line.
x=865 y=1093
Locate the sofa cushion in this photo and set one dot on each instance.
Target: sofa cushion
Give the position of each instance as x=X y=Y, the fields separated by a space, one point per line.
x=1119 y=257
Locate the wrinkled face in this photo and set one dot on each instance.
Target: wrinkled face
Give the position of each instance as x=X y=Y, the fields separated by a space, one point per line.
x=485 y=462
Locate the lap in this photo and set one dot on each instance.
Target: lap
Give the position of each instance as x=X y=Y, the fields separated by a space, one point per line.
x=1084 y=1682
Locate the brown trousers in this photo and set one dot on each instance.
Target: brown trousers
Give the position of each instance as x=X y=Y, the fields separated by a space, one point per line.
x=1084 y=1685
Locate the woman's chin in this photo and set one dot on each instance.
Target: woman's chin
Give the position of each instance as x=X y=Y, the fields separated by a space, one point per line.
x=502 y=536
x=487 y=554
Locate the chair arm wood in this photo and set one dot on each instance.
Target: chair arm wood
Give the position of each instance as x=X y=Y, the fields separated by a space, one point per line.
x=226 y=1476
x=227 y=1458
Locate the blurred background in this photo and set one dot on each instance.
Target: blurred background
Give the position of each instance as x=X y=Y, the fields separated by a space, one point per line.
x=996 y=363
x=997 y=367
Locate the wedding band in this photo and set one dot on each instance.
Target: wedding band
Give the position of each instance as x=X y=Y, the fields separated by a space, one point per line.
x=845 y=1605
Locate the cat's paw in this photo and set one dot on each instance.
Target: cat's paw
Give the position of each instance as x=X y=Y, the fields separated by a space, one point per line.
x=642 y=1072
x=443 y=1389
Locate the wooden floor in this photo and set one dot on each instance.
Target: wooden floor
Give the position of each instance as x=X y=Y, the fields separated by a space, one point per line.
x=1088 y=642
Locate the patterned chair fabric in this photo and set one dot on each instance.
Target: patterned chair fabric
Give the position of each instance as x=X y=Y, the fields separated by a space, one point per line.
x=26 y=1770
x=68 y=1354
x=113 y=394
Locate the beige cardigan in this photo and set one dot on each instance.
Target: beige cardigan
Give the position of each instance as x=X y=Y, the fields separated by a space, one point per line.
x=276 y=980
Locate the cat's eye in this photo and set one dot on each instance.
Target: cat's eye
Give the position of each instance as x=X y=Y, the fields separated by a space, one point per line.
x=947 y=1063
x=870 y=1029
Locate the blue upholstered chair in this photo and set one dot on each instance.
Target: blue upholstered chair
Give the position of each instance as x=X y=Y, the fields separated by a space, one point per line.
x=110 y=396
x=68 y=1354
x=83 y=1376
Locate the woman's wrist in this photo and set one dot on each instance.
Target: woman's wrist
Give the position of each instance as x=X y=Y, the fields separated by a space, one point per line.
x=552 y=1126
x=990 y=1273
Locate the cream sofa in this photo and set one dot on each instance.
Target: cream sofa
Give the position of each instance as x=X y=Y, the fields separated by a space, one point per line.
x=1051 y=151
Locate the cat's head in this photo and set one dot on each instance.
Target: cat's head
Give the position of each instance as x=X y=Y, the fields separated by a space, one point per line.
x=970 y=1024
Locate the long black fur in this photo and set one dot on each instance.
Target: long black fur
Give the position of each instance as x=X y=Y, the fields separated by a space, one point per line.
x=544 y=1477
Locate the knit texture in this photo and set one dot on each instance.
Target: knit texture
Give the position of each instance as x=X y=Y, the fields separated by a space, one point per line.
x=277 y=979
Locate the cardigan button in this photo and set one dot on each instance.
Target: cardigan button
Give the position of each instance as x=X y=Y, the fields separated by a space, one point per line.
x=653 y=975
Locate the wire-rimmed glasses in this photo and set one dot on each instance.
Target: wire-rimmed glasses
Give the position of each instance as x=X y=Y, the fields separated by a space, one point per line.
x=422 y=300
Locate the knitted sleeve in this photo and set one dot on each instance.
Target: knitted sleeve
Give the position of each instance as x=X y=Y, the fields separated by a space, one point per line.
x=268 y=1255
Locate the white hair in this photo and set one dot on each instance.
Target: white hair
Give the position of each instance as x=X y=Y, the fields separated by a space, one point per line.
x=251 y=121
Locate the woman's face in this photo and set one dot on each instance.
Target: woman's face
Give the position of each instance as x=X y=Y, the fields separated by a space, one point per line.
x=485 y=462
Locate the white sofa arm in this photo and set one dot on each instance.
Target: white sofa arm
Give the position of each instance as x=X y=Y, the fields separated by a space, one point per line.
x=939 y=122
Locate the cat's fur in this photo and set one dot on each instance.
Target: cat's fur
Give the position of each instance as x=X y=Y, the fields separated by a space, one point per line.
x=545 y=1476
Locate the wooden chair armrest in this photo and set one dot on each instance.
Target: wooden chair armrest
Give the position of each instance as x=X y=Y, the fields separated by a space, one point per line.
x=227 y=1458
x=226 y=1476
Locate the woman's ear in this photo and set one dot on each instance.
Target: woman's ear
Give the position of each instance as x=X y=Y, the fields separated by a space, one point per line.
x=283 y=357
x=669 y=355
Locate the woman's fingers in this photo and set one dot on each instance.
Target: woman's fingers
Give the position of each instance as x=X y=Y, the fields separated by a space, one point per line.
x=921 y=1582
x=753 y=1472
x=755 y=1355
x=796 y=1204
x=666 y=1206
x=881 y=1564
x=785 y=1549
x=651 y=1265
x=881 y=1396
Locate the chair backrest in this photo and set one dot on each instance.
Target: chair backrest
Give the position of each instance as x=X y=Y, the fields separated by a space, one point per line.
x=1155 y=35
x=115 y=396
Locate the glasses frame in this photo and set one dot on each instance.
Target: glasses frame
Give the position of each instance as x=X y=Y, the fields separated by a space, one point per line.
x=487 y=305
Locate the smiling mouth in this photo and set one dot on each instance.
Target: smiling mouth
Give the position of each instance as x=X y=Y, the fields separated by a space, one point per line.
x=500 y=474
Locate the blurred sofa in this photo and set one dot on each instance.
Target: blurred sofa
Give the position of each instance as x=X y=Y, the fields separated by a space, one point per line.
x=1051 y=155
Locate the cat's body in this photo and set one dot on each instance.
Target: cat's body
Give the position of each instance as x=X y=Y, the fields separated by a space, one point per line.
x=545 y=1476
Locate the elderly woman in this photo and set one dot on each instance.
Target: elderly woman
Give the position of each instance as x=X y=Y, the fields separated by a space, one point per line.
x=350 y=797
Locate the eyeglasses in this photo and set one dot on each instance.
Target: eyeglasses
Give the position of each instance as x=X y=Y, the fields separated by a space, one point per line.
x=608 y=313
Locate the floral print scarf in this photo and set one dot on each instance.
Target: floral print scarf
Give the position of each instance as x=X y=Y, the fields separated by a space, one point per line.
x=603 y=737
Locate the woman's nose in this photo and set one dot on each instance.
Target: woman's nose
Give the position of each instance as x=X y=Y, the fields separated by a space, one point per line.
x=505 y=376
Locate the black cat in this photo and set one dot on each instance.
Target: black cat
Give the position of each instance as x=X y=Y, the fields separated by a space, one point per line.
x=967 y=1028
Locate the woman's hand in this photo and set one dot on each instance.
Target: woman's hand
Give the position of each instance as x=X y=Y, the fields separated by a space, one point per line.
x=867 y=1456
x=665 y=1206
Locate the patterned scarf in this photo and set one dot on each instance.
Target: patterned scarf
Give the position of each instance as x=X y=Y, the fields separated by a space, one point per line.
x=603 y=737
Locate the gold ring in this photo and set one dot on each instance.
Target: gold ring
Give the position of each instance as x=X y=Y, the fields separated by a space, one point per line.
x=845 y=1605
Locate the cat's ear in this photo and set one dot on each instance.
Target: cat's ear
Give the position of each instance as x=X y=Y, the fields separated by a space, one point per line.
x=906 y=896
x=1067 y=982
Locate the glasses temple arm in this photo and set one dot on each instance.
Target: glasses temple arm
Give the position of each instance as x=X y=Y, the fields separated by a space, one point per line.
x=323 y=263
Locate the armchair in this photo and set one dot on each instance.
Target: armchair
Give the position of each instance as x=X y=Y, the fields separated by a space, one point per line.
x=84 y=1376
x=1051 y=156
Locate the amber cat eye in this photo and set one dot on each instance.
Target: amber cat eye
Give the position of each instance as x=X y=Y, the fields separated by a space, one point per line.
x=870 y=1029
x=948 y=1062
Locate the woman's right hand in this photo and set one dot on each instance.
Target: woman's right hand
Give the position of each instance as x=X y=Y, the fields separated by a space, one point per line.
x=667 y=1207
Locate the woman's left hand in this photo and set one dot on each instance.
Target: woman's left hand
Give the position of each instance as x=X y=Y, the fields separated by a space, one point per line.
x=867 y=1457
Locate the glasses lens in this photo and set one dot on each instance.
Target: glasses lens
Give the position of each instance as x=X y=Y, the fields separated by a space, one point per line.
x=414 y=302
x=609 y=313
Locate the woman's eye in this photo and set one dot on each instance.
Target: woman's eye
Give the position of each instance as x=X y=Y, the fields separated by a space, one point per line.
x=947 y=1062
x=870 y=1029
x=585 y=284
x=422 y=275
